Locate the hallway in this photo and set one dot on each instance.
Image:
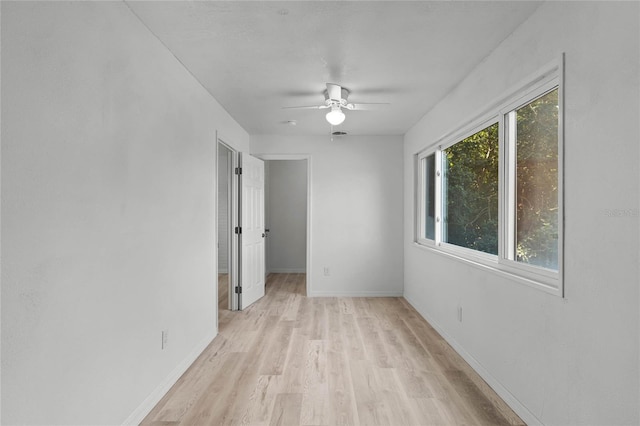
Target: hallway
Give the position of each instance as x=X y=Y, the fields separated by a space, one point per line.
x=293 y=360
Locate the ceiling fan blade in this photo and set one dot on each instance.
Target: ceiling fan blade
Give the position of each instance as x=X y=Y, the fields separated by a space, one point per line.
x=368 y=106
x=334 y=91
x=307 y=107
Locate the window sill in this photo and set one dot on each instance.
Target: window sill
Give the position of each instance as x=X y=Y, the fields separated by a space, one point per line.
x=547 y=285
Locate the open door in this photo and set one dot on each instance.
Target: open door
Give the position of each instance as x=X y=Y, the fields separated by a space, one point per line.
x=227 y=196
x=252 y=232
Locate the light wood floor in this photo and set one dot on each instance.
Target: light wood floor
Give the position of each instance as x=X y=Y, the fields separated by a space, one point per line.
x=223 y=292
x=293 y=360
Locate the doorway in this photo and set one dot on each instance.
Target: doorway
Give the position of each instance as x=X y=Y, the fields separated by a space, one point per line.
x=227 y=219
x=287 y=215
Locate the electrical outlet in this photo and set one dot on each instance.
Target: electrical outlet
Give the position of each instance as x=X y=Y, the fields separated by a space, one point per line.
x=165 y=339
x=326 y=271
x=459 y=313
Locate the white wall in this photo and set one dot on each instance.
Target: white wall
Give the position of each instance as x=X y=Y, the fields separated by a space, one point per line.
x=286 y=206
x=108 y=213
x=558 y=361
x=356 y=211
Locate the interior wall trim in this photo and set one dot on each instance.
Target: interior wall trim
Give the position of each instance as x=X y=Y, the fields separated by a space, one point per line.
x=152 y=400
x=523 y=412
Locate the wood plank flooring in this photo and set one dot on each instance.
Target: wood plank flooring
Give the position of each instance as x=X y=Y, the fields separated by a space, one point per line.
x=293 y=360
x=223 y=292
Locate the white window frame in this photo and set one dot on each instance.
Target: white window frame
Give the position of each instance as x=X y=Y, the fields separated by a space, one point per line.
x=549 y=78
x=421 y=196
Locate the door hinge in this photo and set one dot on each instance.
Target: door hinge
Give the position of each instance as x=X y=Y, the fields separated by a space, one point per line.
x=238 y=230
x=238 y=170
x=238 y=290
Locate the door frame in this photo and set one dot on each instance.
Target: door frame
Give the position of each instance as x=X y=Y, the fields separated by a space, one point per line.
x=307 y=157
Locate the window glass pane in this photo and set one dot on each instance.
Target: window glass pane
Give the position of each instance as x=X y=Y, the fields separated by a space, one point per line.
x=470 y=192
x=537 y=182
x=430 y=196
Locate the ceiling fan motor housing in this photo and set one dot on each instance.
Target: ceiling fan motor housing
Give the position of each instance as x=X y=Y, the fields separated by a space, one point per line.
x=342 y=101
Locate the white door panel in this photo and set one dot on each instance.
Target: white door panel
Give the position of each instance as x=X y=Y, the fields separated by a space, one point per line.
x=252 y=224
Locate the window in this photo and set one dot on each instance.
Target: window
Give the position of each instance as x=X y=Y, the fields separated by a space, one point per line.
x=533 y=137
x=470 y=192
x=491 y=193
x=429 y=185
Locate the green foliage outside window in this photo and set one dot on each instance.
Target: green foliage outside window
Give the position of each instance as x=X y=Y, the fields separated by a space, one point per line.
x=471 y=190
x=470 y=187
x=537 y=182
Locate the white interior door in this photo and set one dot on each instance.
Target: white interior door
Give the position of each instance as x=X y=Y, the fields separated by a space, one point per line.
x=253 y=234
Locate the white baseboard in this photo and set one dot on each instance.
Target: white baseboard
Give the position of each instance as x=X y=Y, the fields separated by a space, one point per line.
x=287 y=271
x=354 y=294
x=147 y=405
x=522 y=411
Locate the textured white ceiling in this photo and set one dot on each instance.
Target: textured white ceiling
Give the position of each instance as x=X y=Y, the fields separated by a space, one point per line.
x=256 y=57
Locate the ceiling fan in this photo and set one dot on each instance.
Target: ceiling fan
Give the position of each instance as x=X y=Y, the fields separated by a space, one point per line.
x=335 y=98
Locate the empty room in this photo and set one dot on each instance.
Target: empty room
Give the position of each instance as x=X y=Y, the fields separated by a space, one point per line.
x=320 y=213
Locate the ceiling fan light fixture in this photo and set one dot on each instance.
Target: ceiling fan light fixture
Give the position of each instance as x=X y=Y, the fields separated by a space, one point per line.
x=335 y=116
